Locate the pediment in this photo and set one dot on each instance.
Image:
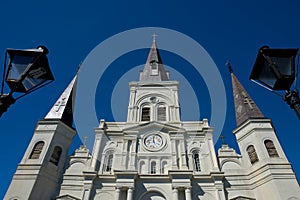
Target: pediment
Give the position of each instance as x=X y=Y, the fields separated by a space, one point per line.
x=67 y=197
x=242 y=198
x=153 y=126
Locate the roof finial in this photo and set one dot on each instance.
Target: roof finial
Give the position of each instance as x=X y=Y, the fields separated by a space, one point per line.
x=79 y=66
x=154 y=37
x=84 y=141
x=229 y=66
x=223 y=139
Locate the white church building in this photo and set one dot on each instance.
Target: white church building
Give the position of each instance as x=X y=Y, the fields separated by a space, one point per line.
x=154 y=155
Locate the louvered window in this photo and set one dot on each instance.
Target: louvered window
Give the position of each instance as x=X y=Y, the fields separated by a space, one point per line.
x=161 y=114
x=109 y=162
x=37 y=150
x=196 y=161
x=252 y=154
x=146 y=114
x=271 y=148
x=153 y=168
x=56 y=155
x=154 y=68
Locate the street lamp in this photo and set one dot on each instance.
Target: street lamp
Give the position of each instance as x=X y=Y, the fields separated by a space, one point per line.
x=27 y=71
x=276 y=70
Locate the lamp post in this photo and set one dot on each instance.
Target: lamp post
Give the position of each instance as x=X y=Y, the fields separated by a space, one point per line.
x=276 y=70
x=27 y=71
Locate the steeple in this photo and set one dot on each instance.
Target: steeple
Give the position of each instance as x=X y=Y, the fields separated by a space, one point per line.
x=154 y=69
x=47 y=152
x=62 y=109
x=245 y=107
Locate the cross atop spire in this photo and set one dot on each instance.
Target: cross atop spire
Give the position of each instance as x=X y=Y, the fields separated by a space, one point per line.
x=229 y=66
x=245 y=107
x=154 y=69
x=222 y=137
x=154 y=37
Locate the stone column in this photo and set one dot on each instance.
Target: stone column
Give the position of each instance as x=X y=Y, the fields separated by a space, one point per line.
x=130 y=193
x=118 y=193
x=188 y=193
x=213 y=154
x=220 y=190
x=88 y=184
x=174 y=154
x=183 y=154
x=86 y=194
x=175 y=194
x=96 y=148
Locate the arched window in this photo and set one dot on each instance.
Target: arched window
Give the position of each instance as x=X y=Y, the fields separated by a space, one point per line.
x=142 y=167
x=271 y=148
x=154 y=68
x=37 y=150
x=164 y=166
x=196 y=161
x=109 y=162
x=56 y=155
x=146 y=113
x=252 y=154
x=153 y=168
x=161 y=113
x=129 y=146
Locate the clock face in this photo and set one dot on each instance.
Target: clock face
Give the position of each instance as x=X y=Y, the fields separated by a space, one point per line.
x=153 y=141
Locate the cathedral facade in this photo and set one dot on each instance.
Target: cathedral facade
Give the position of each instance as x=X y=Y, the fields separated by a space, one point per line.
x=154 y=155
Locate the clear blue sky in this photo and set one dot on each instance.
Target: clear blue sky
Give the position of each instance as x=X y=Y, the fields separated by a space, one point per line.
x=71 y=29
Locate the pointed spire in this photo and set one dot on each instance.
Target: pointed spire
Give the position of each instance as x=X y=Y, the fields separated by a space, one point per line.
x=245 y=107
x=154 y=69
x=63 y=109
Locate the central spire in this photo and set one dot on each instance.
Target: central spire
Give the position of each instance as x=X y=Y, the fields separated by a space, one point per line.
x=154 y=69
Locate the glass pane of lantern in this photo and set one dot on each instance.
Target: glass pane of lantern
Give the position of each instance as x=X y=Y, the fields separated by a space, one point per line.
x=38 y=74
x=18 y=66
x=29 y=82
x=283 y=65
x=266 y=76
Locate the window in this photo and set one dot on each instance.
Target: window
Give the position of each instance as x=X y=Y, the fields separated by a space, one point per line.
x=142 y=167
x=146 y=114
x=37 y=150
x=196 y=161
x=161 y=113
x=129 y=146
x=163 y=167
x=271 y=148
x=252 y=154
x=109 y=162
x=56 y=155
x=153 y=168
x=154 y=68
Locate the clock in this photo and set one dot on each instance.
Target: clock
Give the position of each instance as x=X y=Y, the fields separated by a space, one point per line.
x=153 y=142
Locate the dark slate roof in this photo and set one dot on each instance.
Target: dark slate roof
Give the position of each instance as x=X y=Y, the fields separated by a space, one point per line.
x=245 y=107
x=154 y=56
x=63 y=108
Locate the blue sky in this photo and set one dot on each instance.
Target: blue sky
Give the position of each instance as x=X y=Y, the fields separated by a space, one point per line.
x=230 y=29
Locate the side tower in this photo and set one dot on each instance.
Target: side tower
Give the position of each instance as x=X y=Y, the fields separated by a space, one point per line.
x=262 y=171
x=39 y=173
